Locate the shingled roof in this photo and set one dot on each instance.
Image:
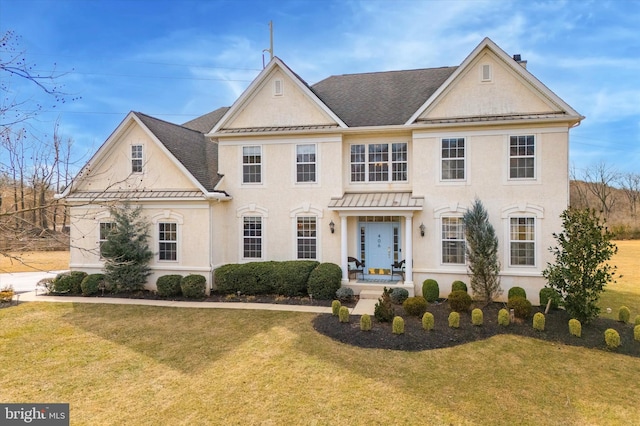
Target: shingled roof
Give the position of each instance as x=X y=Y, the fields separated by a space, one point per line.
x=381 y=98
x=205 y=123
x=190 y=147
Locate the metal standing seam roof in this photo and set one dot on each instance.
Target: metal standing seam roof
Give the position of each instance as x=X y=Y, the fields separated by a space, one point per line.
x=377 y=200
x=129 y=195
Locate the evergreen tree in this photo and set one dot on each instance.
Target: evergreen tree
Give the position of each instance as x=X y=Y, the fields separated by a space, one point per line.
x=581 y=271
x=126 y=252
x=482 y=253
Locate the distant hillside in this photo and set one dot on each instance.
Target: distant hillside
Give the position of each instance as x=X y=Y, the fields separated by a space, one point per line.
x=616 y=205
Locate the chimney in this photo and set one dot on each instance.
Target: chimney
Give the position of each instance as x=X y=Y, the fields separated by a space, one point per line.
x=518 y=58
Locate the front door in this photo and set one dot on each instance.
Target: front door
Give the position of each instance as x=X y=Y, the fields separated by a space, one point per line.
x=379 y=248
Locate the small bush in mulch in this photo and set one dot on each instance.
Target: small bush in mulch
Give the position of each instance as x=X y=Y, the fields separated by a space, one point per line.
x=416 y=338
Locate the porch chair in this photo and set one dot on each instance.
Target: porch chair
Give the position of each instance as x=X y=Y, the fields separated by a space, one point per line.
x=397 y=268
x=355 y=267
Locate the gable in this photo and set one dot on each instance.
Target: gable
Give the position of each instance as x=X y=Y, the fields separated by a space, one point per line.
x=286 y=108
x=110 y=170
x=504 y=92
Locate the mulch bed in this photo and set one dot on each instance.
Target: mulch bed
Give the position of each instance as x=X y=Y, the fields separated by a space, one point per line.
x=415 y=338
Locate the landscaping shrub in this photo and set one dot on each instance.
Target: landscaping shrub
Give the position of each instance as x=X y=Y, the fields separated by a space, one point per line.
x=247 y=278
x=503 y=317
x=611 y=338
x=335 y=307
x=428 y=321
x=399 y=295
x=324 y=281
x=454 y=320
x=624 y=314
x=90 y=284
x=291 y=277
x=460 y=301
x=636 y=321
x=193 y=286
x=6 y=294
x=458 y=286
x=575 y=327
x=415 y=306
x=477 y=317
x=383 y=310
x=521 y=307
x=344 y=294
x=430 y=290
x=516 y=291
x=397 y=325
x=365 y=322
x=68 y=282
x=538 y=321
x=169 y=285
x=343 y=314
x=547 y=293
x=636 y=333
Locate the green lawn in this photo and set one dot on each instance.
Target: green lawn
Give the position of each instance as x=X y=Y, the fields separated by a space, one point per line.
x=147 y=365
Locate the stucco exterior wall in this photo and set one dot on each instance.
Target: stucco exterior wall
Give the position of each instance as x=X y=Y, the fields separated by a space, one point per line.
x=113 y=171
x=193 y=221
x=292 y=108
x=506 y=93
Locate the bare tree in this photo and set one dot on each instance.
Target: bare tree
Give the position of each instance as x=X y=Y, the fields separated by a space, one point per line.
x=600 y=179
x=578 y=191
x=630 y=184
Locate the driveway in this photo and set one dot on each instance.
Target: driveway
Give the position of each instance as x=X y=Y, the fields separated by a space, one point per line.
x=24 y=281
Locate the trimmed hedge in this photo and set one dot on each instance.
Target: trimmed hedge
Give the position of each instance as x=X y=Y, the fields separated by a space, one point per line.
x=343 y=314
x=90 y=285
x=521 y=307
x=547 y=293
x=503 y=317
x=247 y=278
x=454 y=320
x=538 y=321
x=397 y=326
x=68 y=282
x=624 y=314
x=460 y=301
x=169 y=285
x=415 y=306
x=516 y=291
x=611 y=338
x=365 y=322
x=430 y=290
x=428 y=321
x=399 y=295
x=292 y=276
x=324 y=281
x=193 y=286
x=575 y=327
x=477 y=317
x=458 y=285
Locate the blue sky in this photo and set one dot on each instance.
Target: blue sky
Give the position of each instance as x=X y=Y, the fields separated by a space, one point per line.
x=177 y=60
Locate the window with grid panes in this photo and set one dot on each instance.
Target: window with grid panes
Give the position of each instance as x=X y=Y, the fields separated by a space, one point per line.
x=522 y=157
x=251 y=164
x=305 y=163
x=252 y=237
x=167 y=241
x=306 y=237
x=453 y=156
x=522 y=241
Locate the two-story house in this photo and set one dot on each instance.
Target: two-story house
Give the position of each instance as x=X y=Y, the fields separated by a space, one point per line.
x=379 y=167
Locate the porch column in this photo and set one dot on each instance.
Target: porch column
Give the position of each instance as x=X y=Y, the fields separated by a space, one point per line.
x=408 y=238
x=344 y=264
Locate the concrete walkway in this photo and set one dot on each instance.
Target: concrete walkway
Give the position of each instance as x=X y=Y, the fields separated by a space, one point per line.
x=24 y=283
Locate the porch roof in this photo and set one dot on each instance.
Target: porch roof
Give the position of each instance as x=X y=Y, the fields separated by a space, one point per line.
x=135 y=195
x=377 y=201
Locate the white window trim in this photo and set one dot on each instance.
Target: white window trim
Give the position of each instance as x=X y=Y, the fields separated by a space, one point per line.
x=262 y=167
x=278 y=87
x=524 y=210
x=451 y=210
x=536 y=159
x=252 y=210
x=295 y=168
x=465 y=158
x=441 y=220
x=390 y=163
x=482 y=68
x=142 y=160
x=167 y=216
x=307 y=210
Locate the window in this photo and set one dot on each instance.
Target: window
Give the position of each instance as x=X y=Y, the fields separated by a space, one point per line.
x=522 y=157
x=251 y=164
x=453 y=244
x=105 y=229
x=522 y=241
x=358 y=163
x=305 y=163
x=486 y=72
x=453 y=159
x=167 y=241
x=278 y=87
x=252 y=237
x=136 y=158
x=372 y=162
x=306 y=235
